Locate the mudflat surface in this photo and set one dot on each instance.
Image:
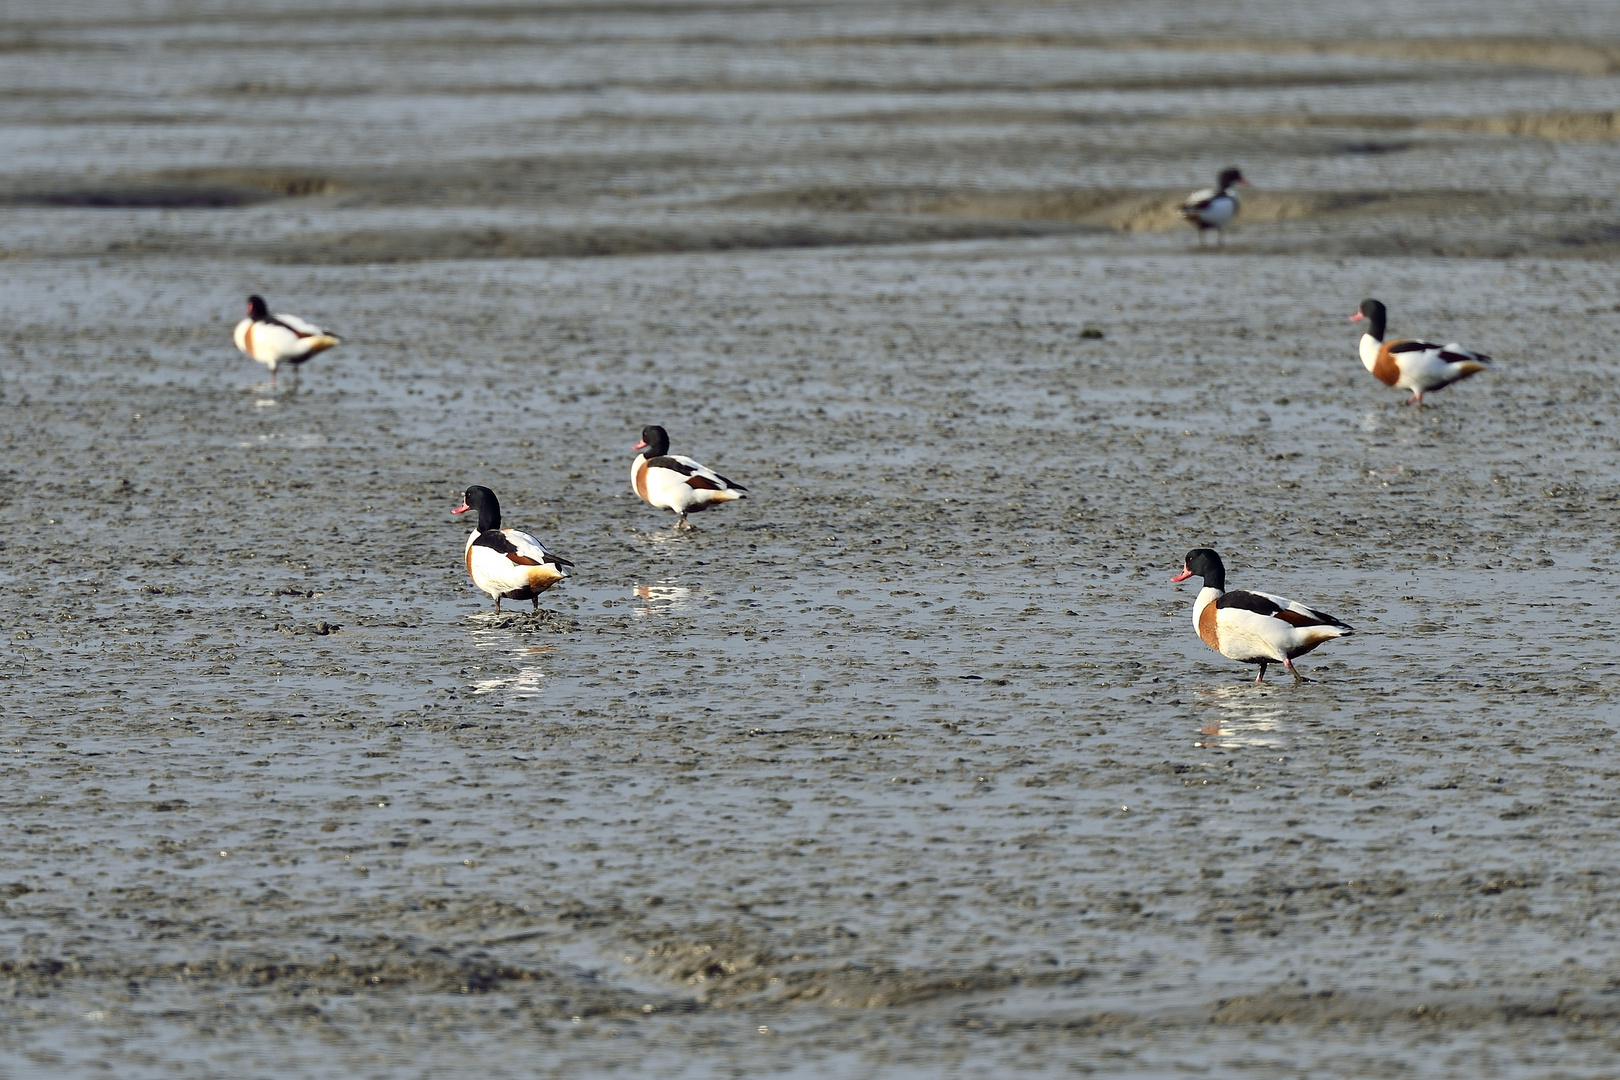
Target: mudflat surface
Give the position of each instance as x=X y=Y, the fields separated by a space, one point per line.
x=911 y=763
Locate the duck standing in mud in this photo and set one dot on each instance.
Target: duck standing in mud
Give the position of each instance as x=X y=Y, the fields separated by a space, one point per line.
x=1253 y=627
x=1417 y=366
x=508 y=564
x=1214 y=208
x=279 y=339
x=676 y=483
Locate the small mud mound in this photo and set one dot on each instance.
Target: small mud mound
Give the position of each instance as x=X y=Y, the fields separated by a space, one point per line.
x=224 y=189
x=725 y=969
x=1555 y=126
x=148 y=198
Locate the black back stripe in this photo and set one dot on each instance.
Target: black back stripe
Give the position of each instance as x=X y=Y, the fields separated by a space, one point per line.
x=1260 y=605
x=671 y=464
x=1247 y=601
x=495 y=540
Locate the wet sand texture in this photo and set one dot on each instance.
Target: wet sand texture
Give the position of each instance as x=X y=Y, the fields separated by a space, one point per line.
x=911 y=764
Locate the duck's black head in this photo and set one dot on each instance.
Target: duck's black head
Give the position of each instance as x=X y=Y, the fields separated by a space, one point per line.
x=257 y=308
x=1374 y=313
x=483 y=500
x=654 y=442
x=1230 y=178
x=1204 y=563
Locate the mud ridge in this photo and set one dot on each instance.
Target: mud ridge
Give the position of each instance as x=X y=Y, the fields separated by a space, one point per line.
x=401 y=245
x=1580 y=57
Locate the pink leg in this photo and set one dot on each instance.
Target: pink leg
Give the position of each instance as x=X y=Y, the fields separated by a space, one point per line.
x=1262 y=676
x=1289 y=664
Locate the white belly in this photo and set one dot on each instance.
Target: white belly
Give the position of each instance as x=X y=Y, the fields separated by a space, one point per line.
x=1424 y=371
x=1219 y=212
x=670 y=491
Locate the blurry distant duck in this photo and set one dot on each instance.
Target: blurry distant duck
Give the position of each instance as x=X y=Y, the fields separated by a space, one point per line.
x=676 y=483
x=274 y=340
x=1214 y=208
x=1253 y=627
x=508 y=564
x=1418 y=366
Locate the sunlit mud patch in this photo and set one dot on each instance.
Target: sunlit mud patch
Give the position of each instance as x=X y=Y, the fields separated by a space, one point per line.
x=729 y=968
x=663 y=597
x=292 y=442
x=1238 y=718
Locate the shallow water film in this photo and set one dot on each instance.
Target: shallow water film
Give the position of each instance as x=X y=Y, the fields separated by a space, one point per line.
x=911 y=764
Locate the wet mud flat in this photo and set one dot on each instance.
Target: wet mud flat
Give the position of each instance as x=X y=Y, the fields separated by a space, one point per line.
x=910 y=764
x=913 y=753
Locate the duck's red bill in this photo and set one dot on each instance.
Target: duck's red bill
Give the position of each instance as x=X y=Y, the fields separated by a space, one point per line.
x=1183 y=576
x=1357 y=317
x=642 y=445
x=462 y=509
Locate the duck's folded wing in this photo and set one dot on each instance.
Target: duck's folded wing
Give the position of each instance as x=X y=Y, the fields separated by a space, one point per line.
x=1199 y=200
x=1456 y=354
x=1412 y=345
x=1280 y=607
x=697 y=474
x=302 y=327
x=528 y=550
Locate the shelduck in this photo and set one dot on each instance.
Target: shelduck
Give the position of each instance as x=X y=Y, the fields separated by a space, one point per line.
x=508 y=564
x=676 y=483
x=279 y=339
x=1418 y=366
x=1253 y=627
x=1214 y=208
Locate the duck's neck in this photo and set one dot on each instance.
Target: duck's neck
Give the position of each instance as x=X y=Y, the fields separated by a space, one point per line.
x=1206 y=596
x=1375 y=324
x=489 y=518
x=1370 y=347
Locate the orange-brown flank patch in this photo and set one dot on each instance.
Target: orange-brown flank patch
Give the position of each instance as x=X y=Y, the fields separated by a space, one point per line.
x=702 y=483
x=1206 y=627
x=247 y=340
x=1385 y=370
x=638 y=479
